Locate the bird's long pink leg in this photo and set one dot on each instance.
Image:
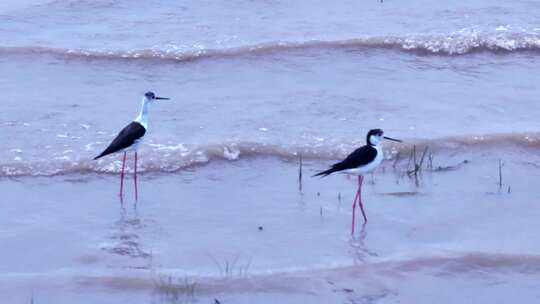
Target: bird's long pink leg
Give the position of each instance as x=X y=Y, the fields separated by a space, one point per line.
x=135 y=178
x=122 y=175
x=354 y=210
x=360 y=180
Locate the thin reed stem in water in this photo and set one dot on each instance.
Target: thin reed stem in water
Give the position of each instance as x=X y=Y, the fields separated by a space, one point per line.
x=500 y=174
x=300 y=165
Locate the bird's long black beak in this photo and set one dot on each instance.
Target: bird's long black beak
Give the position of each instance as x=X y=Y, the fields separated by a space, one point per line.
x=162 y=98
x=392 y=139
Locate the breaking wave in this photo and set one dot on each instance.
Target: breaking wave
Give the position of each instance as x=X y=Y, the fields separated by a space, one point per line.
x=457 y=43
x=173 y=158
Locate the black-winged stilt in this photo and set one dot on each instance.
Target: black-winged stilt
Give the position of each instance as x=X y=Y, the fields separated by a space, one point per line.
x=363 y=160
x=130 y=137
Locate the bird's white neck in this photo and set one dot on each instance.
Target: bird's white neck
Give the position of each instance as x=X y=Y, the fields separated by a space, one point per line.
x=377 y=144
x=143 y=115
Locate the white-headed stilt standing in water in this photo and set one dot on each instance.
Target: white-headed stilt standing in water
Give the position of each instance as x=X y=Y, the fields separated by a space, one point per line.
x=363 y=160
x=130 y=137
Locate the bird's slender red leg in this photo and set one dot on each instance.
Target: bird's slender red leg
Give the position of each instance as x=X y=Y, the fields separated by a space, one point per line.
x=122 y=175
x=360 y=180
x=354 y=210
x=135 y=178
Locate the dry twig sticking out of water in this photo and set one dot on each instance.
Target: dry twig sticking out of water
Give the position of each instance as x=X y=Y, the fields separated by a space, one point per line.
x=175 y=289
x=501 y=165
x=417 y=164
x=501 y=183
x=300 y=164
x=231 y=267
x=430 y=164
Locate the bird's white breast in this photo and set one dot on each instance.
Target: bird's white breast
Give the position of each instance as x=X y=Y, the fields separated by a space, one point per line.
x=136 y=144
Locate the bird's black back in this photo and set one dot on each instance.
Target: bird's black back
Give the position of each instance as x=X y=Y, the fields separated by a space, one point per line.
x=359 y=157
x=125 y=138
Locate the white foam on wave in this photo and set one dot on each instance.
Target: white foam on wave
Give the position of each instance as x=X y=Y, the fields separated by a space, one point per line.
x=161 y=147
x=505 y=38
x=231 y=153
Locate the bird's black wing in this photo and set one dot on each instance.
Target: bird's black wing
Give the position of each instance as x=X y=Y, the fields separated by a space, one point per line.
x=359 y=157
x=125 y=138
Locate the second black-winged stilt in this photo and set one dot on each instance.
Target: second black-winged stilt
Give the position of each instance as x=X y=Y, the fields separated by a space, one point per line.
x=363 y=160
x=130 y=137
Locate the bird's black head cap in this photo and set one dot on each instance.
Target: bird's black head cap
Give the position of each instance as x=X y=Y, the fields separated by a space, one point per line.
x=150 y=95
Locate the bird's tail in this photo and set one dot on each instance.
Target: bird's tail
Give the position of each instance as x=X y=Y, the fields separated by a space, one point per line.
x=100 y=156
x=325 y=173
x=105 y=153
